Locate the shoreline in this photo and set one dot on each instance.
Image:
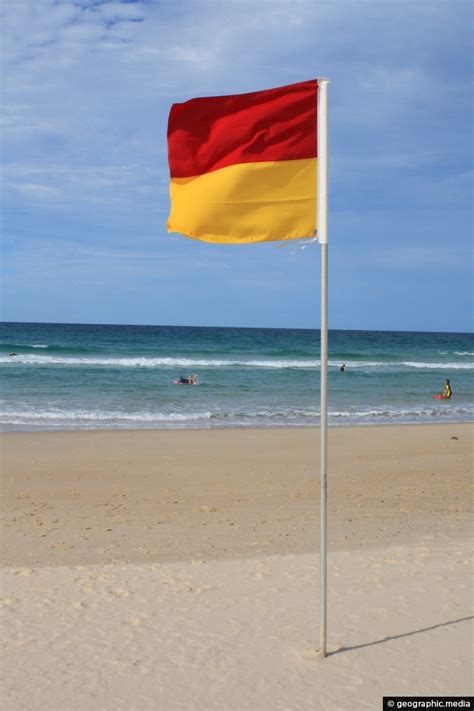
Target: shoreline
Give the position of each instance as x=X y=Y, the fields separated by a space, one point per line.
x=31 y=429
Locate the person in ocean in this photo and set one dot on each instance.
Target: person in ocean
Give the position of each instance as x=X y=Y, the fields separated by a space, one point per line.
x=447 y=392
x=342 y=368
x=189 y=380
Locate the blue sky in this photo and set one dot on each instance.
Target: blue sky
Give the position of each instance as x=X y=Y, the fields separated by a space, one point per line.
x=87 y=88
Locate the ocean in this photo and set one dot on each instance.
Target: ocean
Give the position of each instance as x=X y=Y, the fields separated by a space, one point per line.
x=69 y=376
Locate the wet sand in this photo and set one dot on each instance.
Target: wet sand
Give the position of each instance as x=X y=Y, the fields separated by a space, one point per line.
x=147 y=496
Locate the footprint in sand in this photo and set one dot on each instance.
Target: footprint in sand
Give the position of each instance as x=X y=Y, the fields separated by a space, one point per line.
x=392 y=561
x=258 y=570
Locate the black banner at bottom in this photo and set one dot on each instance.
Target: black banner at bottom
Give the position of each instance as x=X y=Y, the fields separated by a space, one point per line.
x=393 y=703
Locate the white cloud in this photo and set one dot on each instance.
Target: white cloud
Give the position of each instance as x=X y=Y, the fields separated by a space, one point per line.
x=113 y=12
x=35 y=190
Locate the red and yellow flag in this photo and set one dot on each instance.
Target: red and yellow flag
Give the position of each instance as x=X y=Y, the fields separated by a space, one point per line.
x=243 y=167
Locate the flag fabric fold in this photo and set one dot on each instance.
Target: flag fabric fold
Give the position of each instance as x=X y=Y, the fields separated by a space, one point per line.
x=243 y=167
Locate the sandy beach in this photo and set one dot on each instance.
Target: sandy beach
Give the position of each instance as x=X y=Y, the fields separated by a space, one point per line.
x=179 y=569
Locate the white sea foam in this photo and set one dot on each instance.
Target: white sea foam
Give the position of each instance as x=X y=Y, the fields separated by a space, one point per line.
x=149 y=362
x=404 y=413
x=142 y=362
x=438 y=366
x=233 y=418
x=24 y=417
x=29 y=345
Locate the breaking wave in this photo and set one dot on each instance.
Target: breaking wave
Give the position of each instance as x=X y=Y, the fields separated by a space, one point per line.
x=179 y=362
x=56 y=418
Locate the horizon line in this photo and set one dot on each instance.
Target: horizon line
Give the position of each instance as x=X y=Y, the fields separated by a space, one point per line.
x=259 y=328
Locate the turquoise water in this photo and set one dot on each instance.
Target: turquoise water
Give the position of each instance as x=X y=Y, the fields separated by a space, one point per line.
x=89 y=377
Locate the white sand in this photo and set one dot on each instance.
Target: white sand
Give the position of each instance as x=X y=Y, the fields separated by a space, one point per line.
x=239 y=634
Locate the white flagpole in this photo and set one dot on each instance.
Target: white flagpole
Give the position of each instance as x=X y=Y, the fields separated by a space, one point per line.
x=322 y=232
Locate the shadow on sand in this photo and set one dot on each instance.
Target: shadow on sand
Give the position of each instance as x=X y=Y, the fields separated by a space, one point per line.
x=399 y=636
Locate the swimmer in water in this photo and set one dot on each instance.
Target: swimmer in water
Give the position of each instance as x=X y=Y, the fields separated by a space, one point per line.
x=189 y=380
x=447 y=392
